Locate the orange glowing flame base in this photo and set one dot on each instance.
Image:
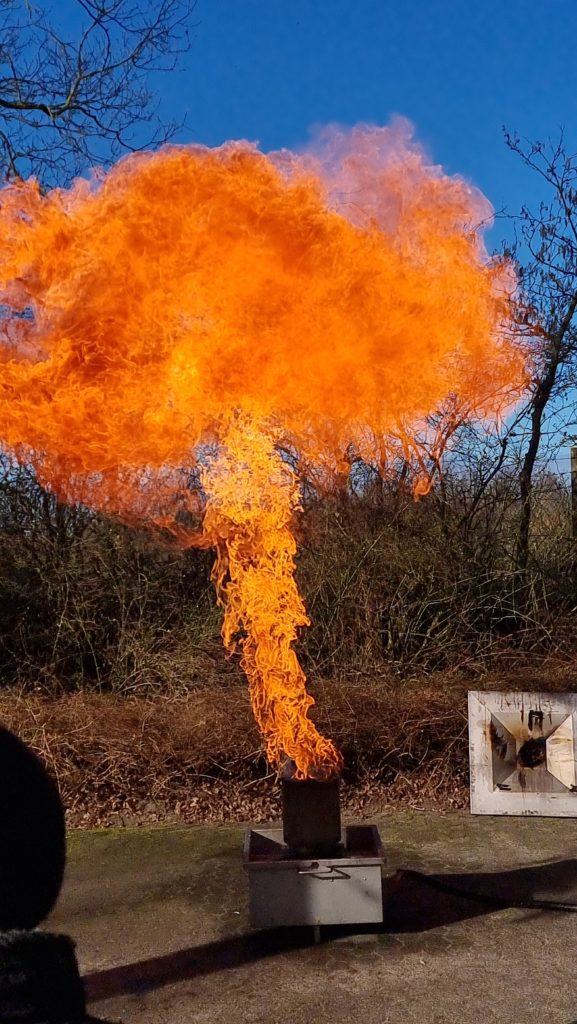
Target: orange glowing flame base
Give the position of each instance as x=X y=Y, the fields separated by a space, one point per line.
x=208 y=308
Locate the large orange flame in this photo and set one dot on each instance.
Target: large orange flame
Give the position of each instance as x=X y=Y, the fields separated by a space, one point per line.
x=216 y=307
x=252 y=495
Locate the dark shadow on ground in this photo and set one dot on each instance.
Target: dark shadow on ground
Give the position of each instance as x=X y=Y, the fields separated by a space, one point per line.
x=420 y=902
x=412 y=902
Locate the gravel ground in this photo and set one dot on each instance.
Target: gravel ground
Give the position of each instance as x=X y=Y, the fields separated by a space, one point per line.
x=160 y=920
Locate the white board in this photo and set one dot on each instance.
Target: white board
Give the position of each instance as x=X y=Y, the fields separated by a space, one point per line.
x=522 y=753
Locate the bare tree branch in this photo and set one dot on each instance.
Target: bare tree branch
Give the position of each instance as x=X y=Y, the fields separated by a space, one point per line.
x=68 y=103
x=549 y=285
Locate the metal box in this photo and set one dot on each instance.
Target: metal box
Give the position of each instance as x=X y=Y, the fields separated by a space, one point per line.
x=287 y=890
x=523 y=753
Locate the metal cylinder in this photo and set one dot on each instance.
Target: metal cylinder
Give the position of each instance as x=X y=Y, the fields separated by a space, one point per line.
x=311 y=815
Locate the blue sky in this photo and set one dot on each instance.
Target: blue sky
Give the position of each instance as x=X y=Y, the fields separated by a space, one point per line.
x=269 y=70
x=460 y=70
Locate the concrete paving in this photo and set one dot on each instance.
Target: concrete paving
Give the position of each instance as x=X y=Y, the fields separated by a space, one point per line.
x=159 y=918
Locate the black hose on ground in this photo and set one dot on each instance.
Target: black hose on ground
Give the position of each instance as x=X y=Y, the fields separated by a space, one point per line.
x=488 y=899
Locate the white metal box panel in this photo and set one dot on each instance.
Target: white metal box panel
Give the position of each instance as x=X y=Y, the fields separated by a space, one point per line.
x=345 y=889
x=523 y=754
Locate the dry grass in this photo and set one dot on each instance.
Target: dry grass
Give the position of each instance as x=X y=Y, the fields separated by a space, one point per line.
x=197 y=757
x=116 y=757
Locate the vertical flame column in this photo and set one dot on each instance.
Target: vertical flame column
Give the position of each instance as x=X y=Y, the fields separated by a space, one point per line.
x=252 y=495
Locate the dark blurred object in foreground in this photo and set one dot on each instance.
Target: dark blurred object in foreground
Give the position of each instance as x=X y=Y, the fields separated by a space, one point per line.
x=32 y=836
x=39 y=979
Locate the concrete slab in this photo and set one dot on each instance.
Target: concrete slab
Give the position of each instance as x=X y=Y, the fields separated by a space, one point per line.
x=159 y=917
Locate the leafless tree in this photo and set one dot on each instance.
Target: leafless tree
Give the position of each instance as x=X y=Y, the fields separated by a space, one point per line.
x=76 y=81
x=547 y=256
